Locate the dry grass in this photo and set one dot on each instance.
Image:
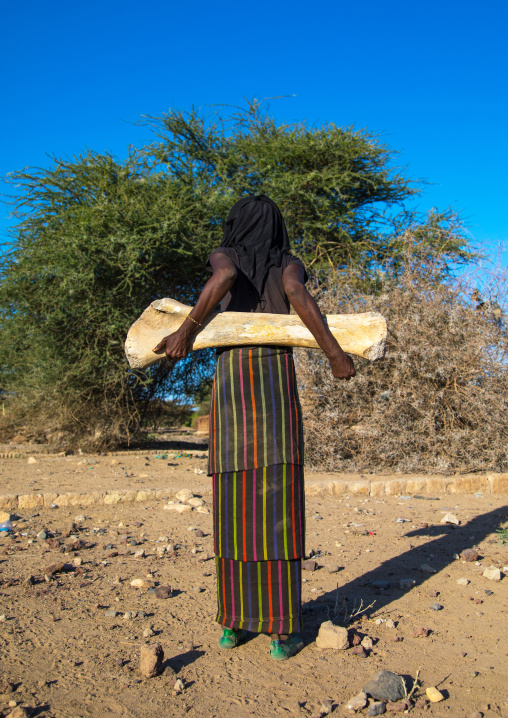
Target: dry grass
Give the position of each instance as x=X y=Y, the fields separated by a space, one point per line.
x=437 y=402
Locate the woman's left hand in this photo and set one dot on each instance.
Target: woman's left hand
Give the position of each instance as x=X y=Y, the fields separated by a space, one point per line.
x=175 y=346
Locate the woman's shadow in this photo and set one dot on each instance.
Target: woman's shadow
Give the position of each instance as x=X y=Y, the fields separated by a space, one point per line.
x=446 y=540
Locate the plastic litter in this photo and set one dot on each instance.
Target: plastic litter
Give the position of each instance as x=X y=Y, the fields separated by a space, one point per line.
x=6 y=526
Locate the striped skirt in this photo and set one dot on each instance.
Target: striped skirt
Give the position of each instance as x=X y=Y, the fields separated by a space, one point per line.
x=256 y=461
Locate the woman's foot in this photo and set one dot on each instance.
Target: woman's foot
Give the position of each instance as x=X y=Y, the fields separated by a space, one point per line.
x=231 y=638
x=282 y=650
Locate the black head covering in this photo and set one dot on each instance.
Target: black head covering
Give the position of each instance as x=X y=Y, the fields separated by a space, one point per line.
x=256 y=230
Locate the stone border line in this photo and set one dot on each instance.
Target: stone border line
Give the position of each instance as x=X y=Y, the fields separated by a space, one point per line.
x=493 y=484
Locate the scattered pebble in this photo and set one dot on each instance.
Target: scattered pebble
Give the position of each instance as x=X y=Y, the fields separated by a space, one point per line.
x=332 y=636
x=309 y=565
x=463 y=581
x=390 y=623
x=492 y=573
x=469 y=555
x=407 y=583
x=436 y=607
x=332 y=567
x=425 y=568
x=151 y=659
x=433 y=694
x=385 y=686
x=110 y=613
x=163 y=592
x=357 y=703
x=377 y=708
x=433 y=594
x=359 y=651
x=450 y=519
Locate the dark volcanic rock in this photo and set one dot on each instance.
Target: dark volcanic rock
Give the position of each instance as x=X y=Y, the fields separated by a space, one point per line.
x=385 y=686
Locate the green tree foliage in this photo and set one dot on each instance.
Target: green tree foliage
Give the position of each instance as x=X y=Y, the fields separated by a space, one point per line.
x=99 y=239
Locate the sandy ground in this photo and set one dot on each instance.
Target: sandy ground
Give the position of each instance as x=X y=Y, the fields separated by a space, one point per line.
x=63 y=656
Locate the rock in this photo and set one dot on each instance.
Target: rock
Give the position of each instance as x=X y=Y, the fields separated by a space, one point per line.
x=357 y=703
x=141 y=583
x=397 y=706
x=54 y=568
x=422 y=703
x=129 y=615
x=148 y=632
x=20 y=712
x=492 y=573
x=332 y=567
x=140 y=554
x=359 y=651
x=163 y=592
x=5 y=517
x=199 y=533
x=79 y=519
x=421 y=633
x=434 y=695
x=463 y=581
x=367 y=643
x=469 y=555
x=326 y=707
x=151 y=660
x=380 y=583
x=436 y=607
x=425 y=568
x=380 y=621
x=184 y=495
x=354 y=639
x=390 y=623
x=180 y=508
x=31 y=460
x=331 y=636
x=450 y=519
x=377 y=708
x=7 y=686
x=475 y=714
x=407 y=583
x=385 y=686
x=202 y=510
x=179 y=686
x=309 y=565
x=42 y=535
x=433 y=594
x=110 y=613
x=195 y=502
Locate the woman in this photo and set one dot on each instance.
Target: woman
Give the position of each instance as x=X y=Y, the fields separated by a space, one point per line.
x=256 y=439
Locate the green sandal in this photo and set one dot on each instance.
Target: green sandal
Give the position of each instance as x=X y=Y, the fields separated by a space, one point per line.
x=282 y=650
x=231 y=638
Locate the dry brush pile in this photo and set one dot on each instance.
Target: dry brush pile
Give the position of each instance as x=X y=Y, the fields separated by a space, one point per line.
x=437 y=402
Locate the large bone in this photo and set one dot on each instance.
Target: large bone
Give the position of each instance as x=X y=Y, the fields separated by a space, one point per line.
x=360 y=334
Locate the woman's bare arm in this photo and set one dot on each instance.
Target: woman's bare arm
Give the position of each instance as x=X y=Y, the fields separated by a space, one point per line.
x=308 y=311
x=177 y=345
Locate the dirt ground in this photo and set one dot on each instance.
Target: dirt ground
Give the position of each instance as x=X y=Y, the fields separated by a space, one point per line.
x=64 y=657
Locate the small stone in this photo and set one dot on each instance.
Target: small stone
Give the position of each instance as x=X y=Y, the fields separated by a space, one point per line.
x=424 y=525
x=355 y=640
x=422 y=703
x=397 y=706
x=141 y=583
x=380 y=621
x=357 y=703
x=20 y=712
x=199 y=533
x=407 y=583
x=12 y=704
x=195 y=502
x=140 y=554
x=390 y=623
x=31 y=460
x=42 y=535
x=180 y=508
x=474 y=674
x=7 y=686
x=110 y=613
x=163 y=592
x=148 y=632
x=425 y=568
x=151 y=659
x=397 y=639
x=129 y=615
x=108 y=547
x=434 y=695
x=202 y=510
x=377 y=708
x=79 y=519
x=433 y=594
x=179 y=686
x=462 y=654
x=463 y=581
x=380 y=583
x=450 y=519
x=332 y=567
x=141 y=614
x=309 y=565
x=367 y=643
x=436 y=607
x=469 y=555
x=359 y=651
x=385 y=686
x=492 y=573
x=331 y=636
x=184 y=495
x=133 y=542
x=489 y=593
x=326 y=707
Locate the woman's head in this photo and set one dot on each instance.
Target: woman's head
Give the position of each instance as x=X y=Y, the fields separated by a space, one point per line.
x=256 y=230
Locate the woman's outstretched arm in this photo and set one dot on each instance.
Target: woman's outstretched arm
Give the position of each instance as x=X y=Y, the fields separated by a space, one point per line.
x=308 y=311
x=177 y=345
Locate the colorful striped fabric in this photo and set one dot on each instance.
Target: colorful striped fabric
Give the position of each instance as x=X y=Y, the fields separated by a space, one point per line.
x=255 y=414
x=259 y=515
x=259 y=596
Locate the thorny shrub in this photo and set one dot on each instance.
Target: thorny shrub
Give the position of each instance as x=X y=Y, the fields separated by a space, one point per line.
x=437 y=402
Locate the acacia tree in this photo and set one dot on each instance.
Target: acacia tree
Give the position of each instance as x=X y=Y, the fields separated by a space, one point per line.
x=98 y=239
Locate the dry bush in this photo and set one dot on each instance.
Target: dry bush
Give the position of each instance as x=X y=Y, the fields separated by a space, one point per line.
x=437 y=402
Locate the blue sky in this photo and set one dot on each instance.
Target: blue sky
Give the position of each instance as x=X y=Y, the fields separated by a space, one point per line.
x=430 y=77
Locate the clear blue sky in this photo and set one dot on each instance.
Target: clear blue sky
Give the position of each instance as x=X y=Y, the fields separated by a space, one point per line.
x=430 y=77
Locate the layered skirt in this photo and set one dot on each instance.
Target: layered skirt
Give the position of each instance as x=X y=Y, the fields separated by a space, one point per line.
x=256 y=461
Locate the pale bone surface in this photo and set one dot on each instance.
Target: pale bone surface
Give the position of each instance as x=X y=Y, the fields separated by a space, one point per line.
x=361 y=334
